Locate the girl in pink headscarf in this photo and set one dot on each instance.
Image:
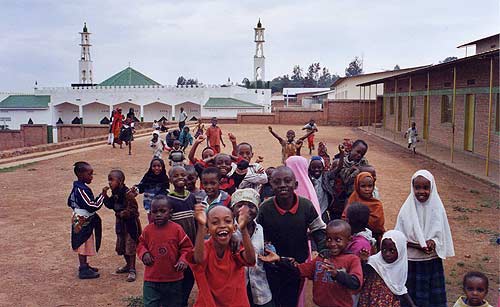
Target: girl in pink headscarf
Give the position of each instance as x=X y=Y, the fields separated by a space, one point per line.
x=305 y=188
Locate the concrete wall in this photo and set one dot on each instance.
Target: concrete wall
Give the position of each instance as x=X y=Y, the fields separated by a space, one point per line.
x=70 y=132
x=28 y=135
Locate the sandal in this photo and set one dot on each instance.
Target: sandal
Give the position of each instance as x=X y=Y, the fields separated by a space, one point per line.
x=131 y=276
x=122 y=270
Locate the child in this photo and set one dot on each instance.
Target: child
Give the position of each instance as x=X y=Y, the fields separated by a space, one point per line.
x=323 y=153
x=310 y=128
x=220 y=273
x=385 y=274
x=157 y=145
x=207 y=154
x=254 y=174
x=214 y=136
x=176 y=155
x=288 y=220
x=127 y=133
x=412 y=134
x=185 y=138
x=259 y=293
x=335 y=273
x=162 y=248
x=349 y=164
x=85 y=221
x=323 y=182
x=370 y=169
x=210 y=179
x=171 y=137
x=156 y=126
x=476 y=288
x=183 y=202
x=200 y=129
x=363 y=193
x=266 y=190
x=357 y=216
x=155 y=182
x=128 y=225
x=423 y=220
x=224 y=163
x=290 y=147
x=191 y=178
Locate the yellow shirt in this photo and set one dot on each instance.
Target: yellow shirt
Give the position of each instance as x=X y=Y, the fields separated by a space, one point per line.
x=461 y=303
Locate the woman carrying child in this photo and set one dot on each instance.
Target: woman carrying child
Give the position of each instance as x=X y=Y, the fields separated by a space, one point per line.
x=128 y=225
x=423 y=220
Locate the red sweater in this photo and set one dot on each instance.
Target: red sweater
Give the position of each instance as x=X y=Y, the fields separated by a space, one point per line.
x=221 y=281
x=326 y=291
x=167 y=244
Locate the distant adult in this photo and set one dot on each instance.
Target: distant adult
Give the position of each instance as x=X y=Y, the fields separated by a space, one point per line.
x=131 y=115
x=116 y=126
x=182 y=119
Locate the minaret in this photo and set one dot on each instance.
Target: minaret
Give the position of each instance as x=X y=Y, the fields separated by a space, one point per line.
x=259 y=61
x=85 y=64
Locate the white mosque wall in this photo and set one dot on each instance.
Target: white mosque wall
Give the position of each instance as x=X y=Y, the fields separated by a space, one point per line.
x=65 y=111
x=94 y=112
x=157 y=110
x=228 y=112
x=14 y=118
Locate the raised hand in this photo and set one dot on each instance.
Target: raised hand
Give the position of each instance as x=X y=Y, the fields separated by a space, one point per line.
x=232 y=138
x=269 y=257
x=105 y=191
x=270 y=128
x=243 y=217
x=364 y=254
x=259 y=159
x=200 y=139
x=200 y=215
x=148 y=259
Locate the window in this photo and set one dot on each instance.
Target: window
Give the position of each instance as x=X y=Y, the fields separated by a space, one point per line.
x=412 y=106
x=391 y=106
x=446 y=109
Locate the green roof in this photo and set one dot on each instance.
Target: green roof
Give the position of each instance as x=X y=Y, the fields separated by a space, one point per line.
x=25 y=101
x=229 y=103
x=128 y=77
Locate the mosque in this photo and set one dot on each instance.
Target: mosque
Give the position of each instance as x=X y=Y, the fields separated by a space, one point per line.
x=91 y=103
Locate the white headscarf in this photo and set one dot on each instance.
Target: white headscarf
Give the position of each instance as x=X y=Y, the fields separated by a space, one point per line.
x=426 y=221
x=394 y=274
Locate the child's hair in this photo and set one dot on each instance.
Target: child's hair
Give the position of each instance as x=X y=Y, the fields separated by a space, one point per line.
x=358 y=215
x=119 y=174
x=244 y=143
x=177 y=142
x=338 y=222
x=190 y=169
x=211 y=170
x=478 y=275
x=212 y=207
x=357 y=142
x=220 y=156
x=79 y=167
x=161 y=197
x=214 y=118
x=206 y=148
x=173 y=168
x=186 y=128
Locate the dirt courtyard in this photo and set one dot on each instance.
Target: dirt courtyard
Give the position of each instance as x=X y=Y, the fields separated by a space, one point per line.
x=40 y=269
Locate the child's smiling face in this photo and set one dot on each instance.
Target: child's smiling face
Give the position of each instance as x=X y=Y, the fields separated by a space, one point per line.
x=191 y=177
x=290 y=135
x=156 y=167
x=337 y=238
x=178 y=177
x=245 y=151
x=210 y=184
x=252 y=209
x=220 y=223
x=389 y=251
x=475 y=289
x=207 y=153
x=421 y=188
x=316 y=168
x=283 y=182
x=223 y=162
x=366 y=188
x=160 y=211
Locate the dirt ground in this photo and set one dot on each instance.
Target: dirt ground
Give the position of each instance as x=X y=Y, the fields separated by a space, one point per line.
x=39 y=268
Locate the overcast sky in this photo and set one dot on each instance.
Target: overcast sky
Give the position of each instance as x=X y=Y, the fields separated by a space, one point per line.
x=213 y=40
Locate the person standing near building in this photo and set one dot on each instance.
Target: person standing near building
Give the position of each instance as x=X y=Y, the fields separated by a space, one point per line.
x=411 y=134
x=182 y=119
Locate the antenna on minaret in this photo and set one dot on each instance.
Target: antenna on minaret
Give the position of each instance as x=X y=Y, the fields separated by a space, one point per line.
x=259 y=61
x=85 y=63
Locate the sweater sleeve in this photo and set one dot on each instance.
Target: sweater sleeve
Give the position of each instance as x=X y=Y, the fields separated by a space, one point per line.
x=142 y=246
x=353 y=278
x=87 y=202
x=185 y=245
x=317 y=228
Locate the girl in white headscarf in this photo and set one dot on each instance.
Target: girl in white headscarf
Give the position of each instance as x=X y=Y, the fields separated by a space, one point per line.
x=386 y=272
x=423 y=220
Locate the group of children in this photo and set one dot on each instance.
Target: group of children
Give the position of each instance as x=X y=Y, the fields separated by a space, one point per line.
x=250 y=236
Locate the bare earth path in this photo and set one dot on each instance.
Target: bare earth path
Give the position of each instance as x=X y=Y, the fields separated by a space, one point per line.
x=39 y=269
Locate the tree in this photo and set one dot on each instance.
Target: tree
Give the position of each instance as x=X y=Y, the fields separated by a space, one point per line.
x=355 y=68
x=192 y=82
x=297 y=73
x=449 y=59
x=181 y=80
x=245 y=82
x=326 y=79
x=397 y=67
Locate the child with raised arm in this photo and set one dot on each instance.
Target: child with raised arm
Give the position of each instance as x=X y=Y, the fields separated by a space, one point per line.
x=290 y=147
x=310 y=128
x=385 y=274
x=162 y=248
x=259 y=293
x=86 y=225
x=475 y=286
x=219 y=272
x=127 y=225
x=288 y=221
x=214 y=136
x=423 y=221
x=253 y=176
x=336 y=274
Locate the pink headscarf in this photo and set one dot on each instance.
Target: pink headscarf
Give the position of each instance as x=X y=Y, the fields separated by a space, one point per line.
x=305 y=188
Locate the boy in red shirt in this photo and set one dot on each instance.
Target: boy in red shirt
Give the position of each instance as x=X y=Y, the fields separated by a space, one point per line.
x=162 y=248
x=336 y=274
x=220 y=273
x=214 y=136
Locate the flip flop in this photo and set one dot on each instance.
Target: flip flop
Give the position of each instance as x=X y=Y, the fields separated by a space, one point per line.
x=131 y=276
x=122 y=270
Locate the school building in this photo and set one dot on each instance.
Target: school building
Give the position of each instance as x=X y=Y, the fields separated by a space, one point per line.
x=454 y=104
